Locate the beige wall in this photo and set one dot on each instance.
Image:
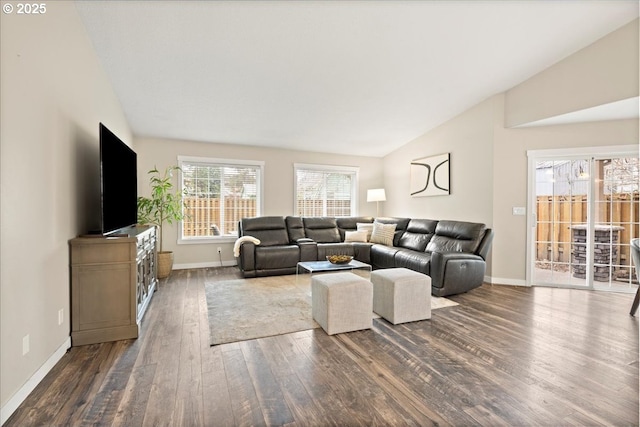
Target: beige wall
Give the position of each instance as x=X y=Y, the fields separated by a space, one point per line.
x=510 y=184
x=278 y=184
x=604 y=72
x=469 y=139
x=489 y=161
x=53 y=94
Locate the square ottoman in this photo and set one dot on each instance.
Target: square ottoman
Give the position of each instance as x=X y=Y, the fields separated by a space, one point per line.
x=341 y=302
x=401 y=295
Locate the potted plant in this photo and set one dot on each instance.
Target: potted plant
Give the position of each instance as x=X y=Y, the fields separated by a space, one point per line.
x=163 y=206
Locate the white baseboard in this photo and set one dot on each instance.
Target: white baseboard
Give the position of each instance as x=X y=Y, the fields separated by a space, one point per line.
x=204 y=265
x=16 y=400
x=503 y=281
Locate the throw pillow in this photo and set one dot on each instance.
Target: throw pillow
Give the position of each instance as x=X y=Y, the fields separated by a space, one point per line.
x=365 y=226
x=383 y=233
x=355 y=236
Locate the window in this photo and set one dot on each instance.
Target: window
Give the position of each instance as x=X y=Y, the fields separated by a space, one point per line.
x=219 y=193
x=325 y=190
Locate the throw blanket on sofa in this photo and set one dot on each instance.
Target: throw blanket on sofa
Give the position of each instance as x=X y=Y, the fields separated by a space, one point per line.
x=240 y=241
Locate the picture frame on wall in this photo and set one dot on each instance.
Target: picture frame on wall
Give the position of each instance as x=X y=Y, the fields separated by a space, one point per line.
x=430 y=176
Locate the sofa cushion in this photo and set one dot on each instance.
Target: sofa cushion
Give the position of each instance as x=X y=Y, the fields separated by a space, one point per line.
x=414 y=241
x=416 y=261
x=350 y=223
x=366 y=227
x=383 y=233
x=382 y=256
x=270 y=230
x=295 y=228
x=401 y=226
x=418 y=234
x=456 y=236
x=355 y=236
x=321 y=229
x=272 y=257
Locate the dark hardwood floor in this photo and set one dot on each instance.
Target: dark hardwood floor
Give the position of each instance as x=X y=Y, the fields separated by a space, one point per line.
x=505 y=356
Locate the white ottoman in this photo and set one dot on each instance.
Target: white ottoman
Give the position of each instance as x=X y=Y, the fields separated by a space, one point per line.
x=341 y=302
x=401 y=295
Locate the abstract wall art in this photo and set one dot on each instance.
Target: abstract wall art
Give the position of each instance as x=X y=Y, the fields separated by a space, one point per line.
x=430 y=176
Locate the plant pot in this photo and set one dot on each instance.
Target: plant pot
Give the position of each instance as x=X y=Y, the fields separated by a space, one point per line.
x=165 y=264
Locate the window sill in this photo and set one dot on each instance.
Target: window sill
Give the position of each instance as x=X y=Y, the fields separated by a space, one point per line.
x=207 y=240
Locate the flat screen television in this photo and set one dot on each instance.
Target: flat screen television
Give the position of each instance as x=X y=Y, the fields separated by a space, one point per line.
x=118 y=182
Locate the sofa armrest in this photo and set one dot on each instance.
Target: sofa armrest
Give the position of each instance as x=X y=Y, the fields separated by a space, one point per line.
x=247 y=259
x=362 y=252
x=308 y=249
x=455 y=272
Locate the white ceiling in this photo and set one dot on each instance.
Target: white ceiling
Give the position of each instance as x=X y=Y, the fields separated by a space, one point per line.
x=361 y=77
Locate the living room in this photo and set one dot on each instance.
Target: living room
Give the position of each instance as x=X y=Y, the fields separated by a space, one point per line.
x=55 y=91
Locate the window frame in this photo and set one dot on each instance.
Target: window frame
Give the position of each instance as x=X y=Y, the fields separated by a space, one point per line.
x=352 y=170
x=220 y=162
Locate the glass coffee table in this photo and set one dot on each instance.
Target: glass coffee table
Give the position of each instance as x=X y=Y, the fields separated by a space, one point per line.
x=315 y=267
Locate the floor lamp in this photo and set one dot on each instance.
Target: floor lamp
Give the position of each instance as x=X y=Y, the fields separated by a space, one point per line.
x=376 y=195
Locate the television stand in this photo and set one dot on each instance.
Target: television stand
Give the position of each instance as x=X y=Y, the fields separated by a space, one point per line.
x=113 y=279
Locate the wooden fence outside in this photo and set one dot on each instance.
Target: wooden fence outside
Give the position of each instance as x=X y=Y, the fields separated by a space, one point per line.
x=203 y=215
x=555 y=215
x=335 y=208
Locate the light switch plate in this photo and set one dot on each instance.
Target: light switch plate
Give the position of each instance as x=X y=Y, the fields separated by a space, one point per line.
x=519 y=211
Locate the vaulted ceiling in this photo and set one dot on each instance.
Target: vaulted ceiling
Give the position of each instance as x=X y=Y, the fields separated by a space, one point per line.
x=362 y=77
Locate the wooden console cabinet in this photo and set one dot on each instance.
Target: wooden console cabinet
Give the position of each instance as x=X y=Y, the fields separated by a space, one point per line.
x=112 y=282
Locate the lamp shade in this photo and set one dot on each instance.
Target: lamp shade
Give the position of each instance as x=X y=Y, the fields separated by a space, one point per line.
x=376 y=195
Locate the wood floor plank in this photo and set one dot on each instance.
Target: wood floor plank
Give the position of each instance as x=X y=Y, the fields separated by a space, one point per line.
x=162 y=396
x=102 y=409
x=189 y=406
x=134 y=401
x=506 y=355
x=510 y=375
x=278 y=355
x=215 y=391
x=323 y=387
x=244 y=401
x=389 y=409
x=98 y=371
x=421 y=387
x=268 y=391
x=217 y=408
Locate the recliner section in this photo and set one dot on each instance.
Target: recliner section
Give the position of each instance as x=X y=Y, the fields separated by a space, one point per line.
x=452 y=253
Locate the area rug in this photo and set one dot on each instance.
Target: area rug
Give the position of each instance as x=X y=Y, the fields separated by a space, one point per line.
x=245 y=309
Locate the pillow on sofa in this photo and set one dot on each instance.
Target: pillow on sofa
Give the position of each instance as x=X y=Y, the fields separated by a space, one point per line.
x=383 y=233
x=365 y=226
x=355 y=236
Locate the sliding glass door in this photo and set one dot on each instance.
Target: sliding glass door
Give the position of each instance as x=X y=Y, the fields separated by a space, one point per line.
x=616 y=221
x=585 y=211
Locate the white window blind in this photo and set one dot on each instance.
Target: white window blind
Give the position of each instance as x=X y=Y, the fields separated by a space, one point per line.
x=219 y=194
x=325 y=190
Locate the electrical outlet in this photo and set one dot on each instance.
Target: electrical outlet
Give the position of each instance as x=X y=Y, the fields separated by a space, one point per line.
x=219 y=250
x=60 y=316
x=25 y=344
